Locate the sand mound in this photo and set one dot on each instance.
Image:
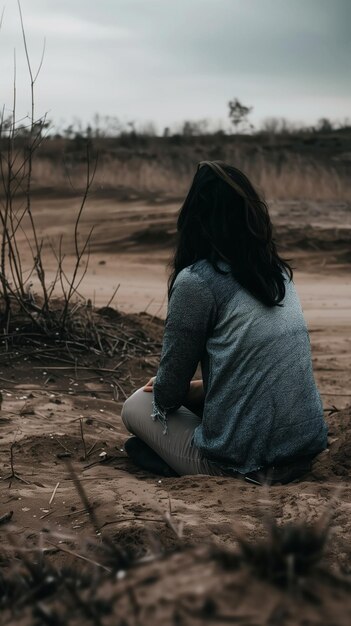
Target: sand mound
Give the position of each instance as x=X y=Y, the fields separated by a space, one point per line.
x=336 y=461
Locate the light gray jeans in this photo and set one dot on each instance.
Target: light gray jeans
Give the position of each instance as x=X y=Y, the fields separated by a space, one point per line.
x=175 y=447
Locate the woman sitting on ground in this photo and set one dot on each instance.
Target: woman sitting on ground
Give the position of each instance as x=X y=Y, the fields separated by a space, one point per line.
x=232 y=308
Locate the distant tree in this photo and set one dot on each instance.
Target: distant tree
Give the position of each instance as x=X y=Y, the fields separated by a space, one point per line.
x=324 y=125
x=69 y=131
x=89 y=131
x=79 y=142
x=110 y=126
x=345 y=123
x=195 y=128
x=96 y=125
x=187 y=129
x=6 y=123
x=37 y=129
x=271 y=125
x=132 y=128
x=147 y=129
x=279 y=126
x=238 y=114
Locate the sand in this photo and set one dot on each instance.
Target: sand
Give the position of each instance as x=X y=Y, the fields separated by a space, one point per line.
x=43 y=410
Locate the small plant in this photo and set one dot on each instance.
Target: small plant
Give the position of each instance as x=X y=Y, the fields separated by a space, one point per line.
x=288 y=553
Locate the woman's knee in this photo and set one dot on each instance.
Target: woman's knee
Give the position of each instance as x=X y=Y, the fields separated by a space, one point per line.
x=126 y=410
x=135 y=408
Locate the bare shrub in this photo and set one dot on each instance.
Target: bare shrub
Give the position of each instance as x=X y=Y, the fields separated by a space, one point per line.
x=21 y=266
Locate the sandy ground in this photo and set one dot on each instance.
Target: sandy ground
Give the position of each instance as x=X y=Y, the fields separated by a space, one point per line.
x=43 y=417
x=131 y=248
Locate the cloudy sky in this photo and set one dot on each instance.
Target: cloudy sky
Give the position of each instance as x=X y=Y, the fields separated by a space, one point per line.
x=168 y=60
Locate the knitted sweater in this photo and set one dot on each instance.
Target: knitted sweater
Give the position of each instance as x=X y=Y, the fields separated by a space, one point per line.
x=262 y=406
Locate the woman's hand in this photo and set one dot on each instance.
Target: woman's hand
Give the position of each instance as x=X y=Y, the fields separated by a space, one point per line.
x=149 y=387
x=195 y=398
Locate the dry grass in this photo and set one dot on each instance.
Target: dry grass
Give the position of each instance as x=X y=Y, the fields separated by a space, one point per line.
x=101 y=341
x=291 y=177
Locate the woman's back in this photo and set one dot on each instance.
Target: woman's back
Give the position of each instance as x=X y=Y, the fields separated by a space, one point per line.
x=261 y=402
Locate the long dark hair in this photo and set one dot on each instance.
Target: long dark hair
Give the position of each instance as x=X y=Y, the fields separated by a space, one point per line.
x=224 y=219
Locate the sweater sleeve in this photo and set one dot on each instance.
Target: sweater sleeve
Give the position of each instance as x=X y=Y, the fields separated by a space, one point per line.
x=190 y=317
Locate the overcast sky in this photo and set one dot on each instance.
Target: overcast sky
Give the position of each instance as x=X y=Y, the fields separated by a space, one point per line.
x=170 y=60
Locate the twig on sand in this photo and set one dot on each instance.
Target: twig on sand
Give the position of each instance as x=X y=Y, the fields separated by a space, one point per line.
x=66 y=391
x=158 y=520
x=78 y=556
x=54 y=493
x=6 y=517
x=332 y=409
x=14 y=474
x=113 y=296
x=97 y=420
x=46 y=514
x=84 y=498
x=73 y=513
x=79 y=367
x=117 y=384
x=82 y=437
x=92 y=448
x=62 y=445
x=5 y=380
x=329 y=393
x=149 y=304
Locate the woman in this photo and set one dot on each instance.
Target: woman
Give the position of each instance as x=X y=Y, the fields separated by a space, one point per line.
x=234 y=309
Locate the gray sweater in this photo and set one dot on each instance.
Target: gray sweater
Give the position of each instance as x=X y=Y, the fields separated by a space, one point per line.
x=262 y=406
